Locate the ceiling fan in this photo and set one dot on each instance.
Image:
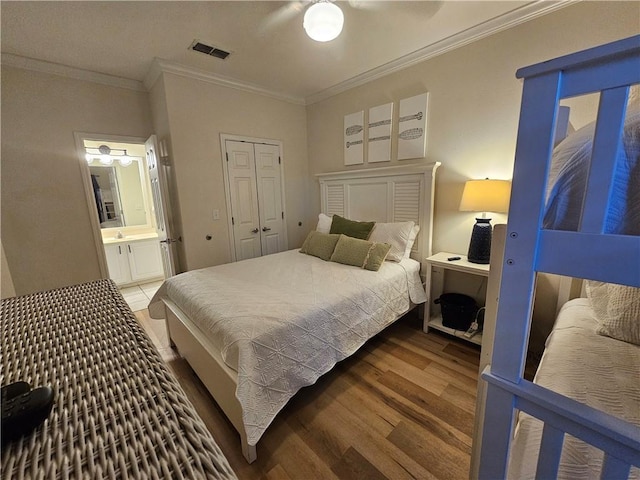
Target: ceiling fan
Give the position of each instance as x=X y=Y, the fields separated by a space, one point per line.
x=323 y=19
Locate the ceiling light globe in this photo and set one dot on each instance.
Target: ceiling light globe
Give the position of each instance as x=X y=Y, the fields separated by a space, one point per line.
x=323 y=21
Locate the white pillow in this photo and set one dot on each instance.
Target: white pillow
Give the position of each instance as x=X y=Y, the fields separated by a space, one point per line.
x=324 y=223
x=568 y=179
x=412 y=239
x=598 y=298
x=617 y=310
x=396 y=234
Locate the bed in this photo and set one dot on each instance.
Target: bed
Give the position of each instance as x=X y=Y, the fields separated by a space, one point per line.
x=118 y=412
x=585 y=230
x=257 y=331
x=595 y=370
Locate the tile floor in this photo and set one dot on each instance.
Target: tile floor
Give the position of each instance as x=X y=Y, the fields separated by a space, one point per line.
x=138 y=296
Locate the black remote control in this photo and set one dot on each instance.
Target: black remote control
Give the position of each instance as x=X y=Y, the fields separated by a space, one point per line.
x=23 y=413
x=14 y=389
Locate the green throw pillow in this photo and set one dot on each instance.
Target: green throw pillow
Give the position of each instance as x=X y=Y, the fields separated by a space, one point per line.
x=351 y=228
x=377 y=255
x=360 y=253
x=319 y=244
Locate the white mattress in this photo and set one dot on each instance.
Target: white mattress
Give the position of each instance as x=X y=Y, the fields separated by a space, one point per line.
x=284 y=320
x=599 y=371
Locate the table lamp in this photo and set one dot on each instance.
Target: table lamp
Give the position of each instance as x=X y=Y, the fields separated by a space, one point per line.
x=484 y=196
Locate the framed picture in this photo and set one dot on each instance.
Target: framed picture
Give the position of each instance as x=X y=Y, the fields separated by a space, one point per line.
x=354 y=138
x=379 y=133
x=412 y=127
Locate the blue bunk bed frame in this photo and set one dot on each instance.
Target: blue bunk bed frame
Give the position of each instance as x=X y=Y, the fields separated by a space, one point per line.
x=588 y=253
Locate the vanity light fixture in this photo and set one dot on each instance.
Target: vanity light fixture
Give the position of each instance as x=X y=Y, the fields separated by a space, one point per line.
x=125 y=160
x=323 y=21
x=106 y=159
x=106 y=155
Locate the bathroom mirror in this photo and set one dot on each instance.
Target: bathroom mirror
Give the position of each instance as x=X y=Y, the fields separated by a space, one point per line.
x=118 y=193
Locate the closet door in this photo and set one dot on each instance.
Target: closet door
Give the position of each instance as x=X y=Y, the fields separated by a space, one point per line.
x=241 y=168
x=269 y=186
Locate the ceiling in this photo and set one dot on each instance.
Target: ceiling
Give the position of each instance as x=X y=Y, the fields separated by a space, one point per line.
x=270 y=50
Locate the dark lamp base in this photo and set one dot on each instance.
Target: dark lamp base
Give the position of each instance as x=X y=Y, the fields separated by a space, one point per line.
x=480 y=246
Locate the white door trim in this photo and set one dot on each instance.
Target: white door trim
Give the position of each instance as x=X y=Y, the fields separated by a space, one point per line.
x=223 y=146
x=88 y=189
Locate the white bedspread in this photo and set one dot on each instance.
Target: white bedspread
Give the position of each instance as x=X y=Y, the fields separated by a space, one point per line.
x=284 y=320
x=599 y=371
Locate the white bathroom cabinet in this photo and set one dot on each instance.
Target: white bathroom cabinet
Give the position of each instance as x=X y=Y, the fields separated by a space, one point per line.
x=134 y=261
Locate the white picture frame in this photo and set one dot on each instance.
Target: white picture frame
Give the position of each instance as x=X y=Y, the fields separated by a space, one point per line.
x=379 y=133
x=412 y=127
x=354 y=138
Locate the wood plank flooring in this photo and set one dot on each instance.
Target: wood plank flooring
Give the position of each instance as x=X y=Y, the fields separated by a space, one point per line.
x=401 y=407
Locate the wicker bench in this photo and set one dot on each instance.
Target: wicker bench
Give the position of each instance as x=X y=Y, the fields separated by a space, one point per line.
x=118 y=411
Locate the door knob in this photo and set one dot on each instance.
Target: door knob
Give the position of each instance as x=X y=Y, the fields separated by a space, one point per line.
x=255 y=230
x=266 y=229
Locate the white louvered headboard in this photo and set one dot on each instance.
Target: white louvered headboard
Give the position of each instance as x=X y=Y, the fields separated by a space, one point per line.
x=388 y=194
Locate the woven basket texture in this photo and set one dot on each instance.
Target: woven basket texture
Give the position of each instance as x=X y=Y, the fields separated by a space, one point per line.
x=118 y=412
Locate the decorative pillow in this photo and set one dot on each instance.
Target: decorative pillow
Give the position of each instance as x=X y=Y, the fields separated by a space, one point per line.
x=319 y=244
x=351 y=228
x=377 y=255
x=396 y=234
x=617 y=310
x=360 y=253
x=324 y=223
x=568 y=179
x=598 y=298
x=412 y=239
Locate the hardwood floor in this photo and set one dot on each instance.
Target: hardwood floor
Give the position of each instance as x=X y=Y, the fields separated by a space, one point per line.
x=401 y=407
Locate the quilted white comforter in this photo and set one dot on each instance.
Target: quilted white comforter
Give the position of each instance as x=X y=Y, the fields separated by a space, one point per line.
x=284 y=320
x=593 y=369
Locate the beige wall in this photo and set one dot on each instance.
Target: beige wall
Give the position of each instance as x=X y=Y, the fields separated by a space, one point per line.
x=473 y=115
x=46 y=229
x=473 y=107
x=472 y=124
x=196 y=113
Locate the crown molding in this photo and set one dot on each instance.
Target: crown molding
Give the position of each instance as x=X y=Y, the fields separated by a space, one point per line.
x=497 y=24
x=160 y=66
x=26 y=63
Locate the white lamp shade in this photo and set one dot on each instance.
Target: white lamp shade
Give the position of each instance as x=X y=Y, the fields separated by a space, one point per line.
x=486 y=196
x=323 y=21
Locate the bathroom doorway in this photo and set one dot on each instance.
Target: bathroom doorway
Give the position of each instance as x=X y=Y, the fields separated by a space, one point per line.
x=120 y=202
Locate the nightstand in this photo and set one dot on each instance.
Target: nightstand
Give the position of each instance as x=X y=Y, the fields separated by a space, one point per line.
x=466 y=277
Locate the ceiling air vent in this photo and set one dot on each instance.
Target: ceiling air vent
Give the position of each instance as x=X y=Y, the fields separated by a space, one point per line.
x=209 y=50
